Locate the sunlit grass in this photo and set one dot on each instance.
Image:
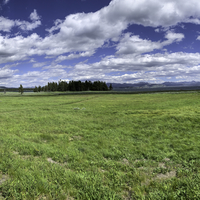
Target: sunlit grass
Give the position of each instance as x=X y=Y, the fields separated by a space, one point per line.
x=139 y=146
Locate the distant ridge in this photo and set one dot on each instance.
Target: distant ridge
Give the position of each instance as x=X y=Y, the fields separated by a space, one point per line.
x=154 y=85
x=140 y=85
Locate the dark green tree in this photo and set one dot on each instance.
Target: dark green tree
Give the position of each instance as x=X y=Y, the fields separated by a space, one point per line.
x=49 y=86
x=21 y=90
x=46 y=88
x=35 y=89
x=110 y=87
x=39 y=88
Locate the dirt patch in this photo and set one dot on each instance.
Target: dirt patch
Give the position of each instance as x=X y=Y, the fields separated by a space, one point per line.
x=139 y=160
x=160 y=176
x=168 y=175
x=24 y=157
x=128 y=195
x=125 y=161
x=3 y=178
x=101 y=170
x=75 y=137
x=162 y=165
x=54 y=162
x=166 y=159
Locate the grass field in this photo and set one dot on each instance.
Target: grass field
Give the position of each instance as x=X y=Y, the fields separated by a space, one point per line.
x=134 y=146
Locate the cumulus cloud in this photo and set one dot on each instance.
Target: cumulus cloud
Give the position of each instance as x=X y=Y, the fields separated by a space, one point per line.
x=173 y=37
x=153 y=12
x=133 y=44
x=86 y=32
x=34 y=16
x=89 y=31
x=141 y=67
x=148 y=67
x=6 y=73
x=6 y=24
x=40 y=64
x=74 y=55
x=28 y=26
x=81 y=34
x=6 y=1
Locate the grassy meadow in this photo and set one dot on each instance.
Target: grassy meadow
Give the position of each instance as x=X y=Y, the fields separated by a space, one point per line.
x=97 y=146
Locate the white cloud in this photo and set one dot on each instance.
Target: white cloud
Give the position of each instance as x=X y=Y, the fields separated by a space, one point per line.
x=173 y=37
x=90 y=31
x=146 y=67
x=55 y=66
x=6 y=1
x=41 y=64
x=142 y=67
x=74 y=55
x=153 y=12
x=34 y=16
x=133 y=44
x=6 y=73
x=27 y=26
x=81 y=34
x=9 y=66
x=6 y=24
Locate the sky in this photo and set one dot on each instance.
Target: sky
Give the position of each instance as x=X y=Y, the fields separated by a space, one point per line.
x=116 y=41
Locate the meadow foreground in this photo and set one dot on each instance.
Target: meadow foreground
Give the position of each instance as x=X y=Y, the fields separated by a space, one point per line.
x=134 y=146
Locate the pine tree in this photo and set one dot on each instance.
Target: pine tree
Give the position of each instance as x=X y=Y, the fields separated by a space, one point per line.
x=21 y=90
x=39 y=88
x=35 y=89
x=110 y=87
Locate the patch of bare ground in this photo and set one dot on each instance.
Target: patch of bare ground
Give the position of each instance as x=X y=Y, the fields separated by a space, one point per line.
x=43 y=197
x=166 y=159
x=101 y=170
x=125 y=161
x=54 y=162
x=24 y=157
x=168 y=175
x=128 y=195
x=3 y=178
x=160 y=176
x=75 y=137
x=139 y=160
x=70 y=198
x=162 y=165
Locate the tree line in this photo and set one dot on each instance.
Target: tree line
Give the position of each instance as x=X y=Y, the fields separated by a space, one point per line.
x=74 y=86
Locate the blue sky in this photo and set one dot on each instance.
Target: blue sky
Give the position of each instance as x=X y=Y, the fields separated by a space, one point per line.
x=121 y=41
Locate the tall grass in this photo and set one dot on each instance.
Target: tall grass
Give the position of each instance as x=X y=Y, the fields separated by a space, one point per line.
x=137 y=146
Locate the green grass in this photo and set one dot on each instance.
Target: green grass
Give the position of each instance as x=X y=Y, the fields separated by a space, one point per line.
x=96 y=146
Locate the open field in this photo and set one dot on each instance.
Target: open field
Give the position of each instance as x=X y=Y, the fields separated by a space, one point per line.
x=134 y=146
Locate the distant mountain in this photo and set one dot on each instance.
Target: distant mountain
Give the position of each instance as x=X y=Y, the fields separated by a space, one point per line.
x=2 y=87
x=141 y=85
